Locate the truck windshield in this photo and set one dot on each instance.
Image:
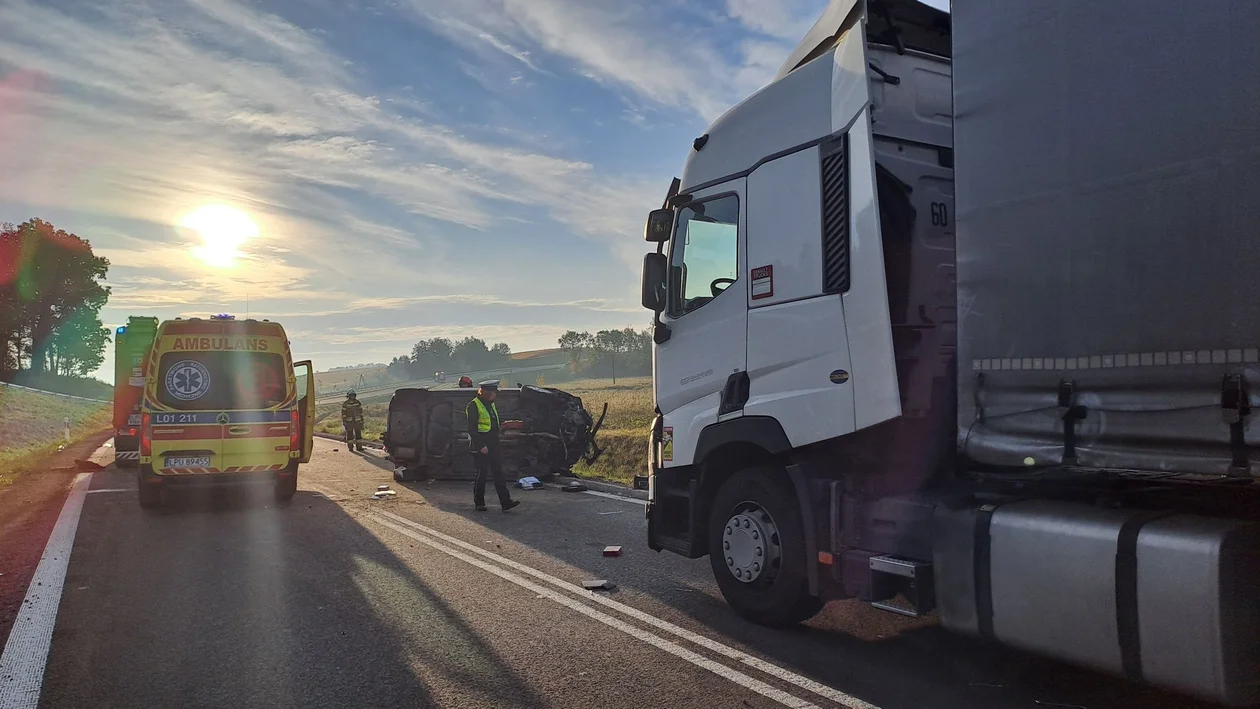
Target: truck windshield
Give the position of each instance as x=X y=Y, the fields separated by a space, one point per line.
x=705 y=257
x=201 y=381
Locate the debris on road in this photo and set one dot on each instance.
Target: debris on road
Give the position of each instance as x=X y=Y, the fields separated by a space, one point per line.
x=612 y=551
x=529 y=483
x=384 y=493
x=574 y=486
x=382 y=487
x=598 y=585
x=88 y=465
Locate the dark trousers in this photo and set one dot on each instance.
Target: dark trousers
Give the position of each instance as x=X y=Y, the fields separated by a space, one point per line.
x=354 y=433
x=490 y=464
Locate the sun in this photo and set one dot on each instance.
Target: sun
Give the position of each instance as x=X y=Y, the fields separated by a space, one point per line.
x=223 y=231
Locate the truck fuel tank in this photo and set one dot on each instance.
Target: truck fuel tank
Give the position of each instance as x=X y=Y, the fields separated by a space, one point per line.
x=1166 y=598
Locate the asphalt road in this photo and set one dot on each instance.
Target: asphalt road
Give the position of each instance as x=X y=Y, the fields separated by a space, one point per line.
x=225 y=599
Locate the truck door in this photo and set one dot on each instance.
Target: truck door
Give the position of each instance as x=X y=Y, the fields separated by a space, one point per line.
x=705 y=358
x=305 y=377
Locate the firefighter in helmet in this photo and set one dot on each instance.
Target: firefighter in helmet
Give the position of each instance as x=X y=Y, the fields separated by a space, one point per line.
x=352 y=419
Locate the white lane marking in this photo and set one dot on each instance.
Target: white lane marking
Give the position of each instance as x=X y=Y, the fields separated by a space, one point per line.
x=611 y=496
x=672 y=648
x=26 y=653
x=111 y=489
x=771 y=669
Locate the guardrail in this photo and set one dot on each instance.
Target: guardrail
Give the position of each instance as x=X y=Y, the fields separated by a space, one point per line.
x=54 y=393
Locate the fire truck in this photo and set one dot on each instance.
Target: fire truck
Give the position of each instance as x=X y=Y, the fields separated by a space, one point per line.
x=132 y=343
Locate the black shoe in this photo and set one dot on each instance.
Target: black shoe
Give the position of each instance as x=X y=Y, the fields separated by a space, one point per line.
x=481 y=508
x=510 y=504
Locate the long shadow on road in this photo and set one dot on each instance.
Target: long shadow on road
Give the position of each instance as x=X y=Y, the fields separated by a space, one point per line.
x=884 y=659
x=225 y=599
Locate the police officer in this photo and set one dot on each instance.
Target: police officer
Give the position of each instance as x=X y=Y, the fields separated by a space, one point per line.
x=483 y=432
x=352 y=419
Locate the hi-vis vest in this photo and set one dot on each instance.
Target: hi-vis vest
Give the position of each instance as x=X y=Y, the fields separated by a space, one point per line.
x=483 y=416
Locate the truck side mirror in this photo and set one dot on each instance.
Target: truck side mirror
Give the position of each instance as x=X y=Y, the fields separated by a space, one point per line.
x=655 y=267
x=660 y=224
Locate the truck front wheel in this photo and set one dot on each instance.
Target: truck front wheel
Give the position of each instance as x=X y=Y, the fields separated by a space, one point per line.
x=757 y=548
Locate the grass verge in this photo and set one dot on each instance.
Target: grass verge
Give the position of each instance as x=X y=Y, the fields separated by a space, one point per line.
x=35 y=428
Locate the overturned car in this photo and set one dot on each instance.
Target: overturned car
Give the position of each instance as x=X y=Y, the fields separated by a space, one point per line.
x=545 y=433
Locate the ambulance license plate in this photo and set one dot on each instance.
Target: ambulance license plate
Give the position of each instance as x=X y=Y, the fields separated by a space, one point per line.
x=199 y=462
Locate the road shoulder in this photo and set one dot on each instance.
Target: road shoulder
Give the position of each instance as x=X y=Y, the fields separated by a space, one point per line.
x=28 y=511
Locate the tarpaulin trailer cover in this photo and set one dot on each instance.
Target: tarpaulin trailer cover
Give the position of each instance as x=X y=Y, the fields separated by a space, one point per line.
x=1108 y=226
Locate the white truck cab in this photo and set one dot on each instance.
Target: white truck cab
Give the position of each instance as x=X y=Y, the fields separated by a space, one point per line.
x=859 y=396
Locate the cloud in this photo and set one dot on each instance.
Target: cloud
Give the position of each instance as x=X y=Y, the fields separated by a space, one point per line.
x=642 y=48
x=785 y=19
x=370 y=183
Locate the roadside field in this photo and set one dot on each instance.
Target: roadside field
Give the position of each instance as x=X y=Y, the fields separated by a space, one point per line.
x=32 y=426
x=624 y=436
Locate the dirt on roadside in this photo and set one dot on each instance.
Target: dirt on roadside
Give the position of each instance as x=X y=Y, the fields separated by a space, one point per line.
x=28 y=511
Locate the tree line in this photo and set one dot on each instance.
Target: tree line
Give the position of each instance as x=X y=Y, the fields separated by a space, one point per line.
x=51 y=294
x=609 y=353
x=441 y=354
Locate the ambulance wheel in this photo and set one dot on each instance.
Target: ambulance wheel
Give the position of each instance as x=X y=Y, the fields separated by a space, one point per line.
x=757 y=548
x=286 y=484
x=150 y=488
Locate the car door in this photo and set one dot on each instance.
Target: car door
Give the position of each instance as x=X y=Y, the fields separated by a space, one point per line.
x=304 y=375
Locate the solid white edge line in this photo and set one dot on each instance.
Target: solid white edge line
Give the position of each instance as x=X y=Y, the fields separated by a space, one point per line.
x=769 y=668
x=26 y=652
x=611 y=496
x=674 y=649
x=111 y=489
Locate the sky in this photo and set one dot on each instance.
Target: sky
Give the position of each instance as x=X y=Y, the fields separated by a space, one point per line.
x=405 y=169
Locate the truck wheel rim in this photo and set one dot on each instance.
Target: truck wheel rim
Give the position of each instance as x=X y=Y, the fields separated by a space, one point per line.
x=750 y=544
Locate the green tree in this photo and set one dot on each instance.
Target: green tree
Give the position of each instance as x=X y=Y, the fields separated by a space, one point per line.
x=429 y=356
x=49 y=279
x=471 y=354
x=77 y=348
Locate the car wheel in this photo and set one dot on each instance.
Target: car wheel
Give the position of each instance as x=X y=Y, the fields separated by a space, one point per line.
x=757 y=548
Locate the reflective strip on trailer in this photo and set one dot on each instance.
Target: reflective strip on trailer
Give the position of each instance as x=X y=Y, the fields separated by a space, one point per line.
x=126 y=455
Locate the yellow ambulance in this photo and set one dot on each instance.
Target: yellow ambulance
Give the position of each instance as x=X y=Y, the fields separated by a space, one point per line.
x=224 y=402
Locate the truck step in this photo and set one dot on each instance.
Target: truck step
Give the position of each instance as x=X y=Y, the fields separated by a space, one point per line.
x=910 y=579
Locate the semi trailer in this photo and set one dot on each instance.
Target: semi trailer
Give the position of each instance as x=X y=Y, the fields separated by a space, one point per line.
x=959 y=315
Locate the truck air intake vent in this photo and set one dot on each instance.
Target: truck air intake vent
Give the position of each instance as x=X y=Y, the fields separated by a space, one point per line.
x=835 y=216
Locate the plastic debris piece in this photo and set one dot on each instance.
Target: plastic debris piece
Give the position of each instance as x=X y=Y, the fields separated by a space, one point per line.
x=612 y=551
x=382 y=487
x=598 y=585
x=529 y=483
x=384 y=495
x=109 y=444
x=574 y=487
x=88 y=465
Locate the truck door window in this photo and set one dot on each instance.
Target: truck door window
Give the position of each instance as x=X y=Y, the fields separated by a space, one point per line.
x=704 y=260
